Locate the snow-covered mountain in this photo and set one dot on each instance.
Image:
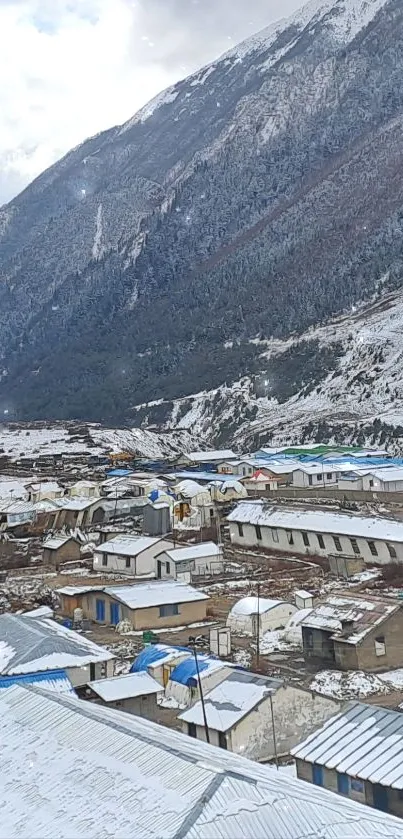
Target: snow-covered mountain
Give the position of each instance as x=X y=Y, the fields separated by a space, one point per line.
x=249 y=202
x=342 y=382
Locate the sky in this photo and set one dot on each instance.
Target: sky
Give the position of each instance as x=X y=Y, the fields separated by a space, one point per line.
x=71 y=68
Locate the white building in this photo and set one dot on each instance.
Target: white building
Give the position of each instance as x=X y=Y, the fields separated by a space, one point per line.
x=201 y=559
x=44 y=490
x=249 y=612
x=132 y=555
x=193 y=507
x=85 y=489
x=222 y=491
x=243 y=710
x=15 y=513
x=135 y=693
x=386 y=479
x=101 y=772
x=38 y=644
x=316 y=532
x=183 y=684
x=210 y=457
x=159 y=660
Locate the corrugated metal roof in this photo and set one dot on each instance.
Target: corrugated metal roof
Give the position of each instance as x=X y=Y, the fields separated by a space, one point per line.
x=56 y=542
x=128 y=545
x=125 y=687
x=93 y=772
x=364 y=741
x=349 y=618
x=227 y=703
x=143 y=595
x=53 y=680
x=317 y=521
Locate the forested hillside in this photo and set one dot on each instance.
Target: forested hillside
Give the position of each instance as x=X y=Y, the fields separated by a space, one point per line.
x=251 y=201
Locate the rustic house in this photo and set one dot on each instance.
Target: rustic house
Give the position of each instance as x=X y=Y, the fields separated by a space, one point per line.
x=205 y=558
x=151 y=605
x=251 y=614
x=255 y=715
x=76 y=512
x=135 y=693
x=119 y=775
x=130 y=554
x=60 y=548
x=31 y=645
x=183 y=686
x=305 y=531
x=40 y=491
x=355 y=632
x=159 y=660
x=85 y=489
x=358 y=753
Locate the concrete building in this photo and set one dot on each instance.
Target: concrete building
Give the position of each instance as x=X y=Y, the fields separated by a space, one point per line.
x=385 y=479
x=85 y=489
x=60 y=548
x=205 y=558
x=183 y=684
x=44 y=490
x=250 y=612
x=245 y=709
x=135 y=693
x=151 y=605
x=358 y=753
x=202 y=459
x=356 y=633
x=16 y=513
x=31 y=645
x=130 y=554
x=305 y=531
x=102 y=772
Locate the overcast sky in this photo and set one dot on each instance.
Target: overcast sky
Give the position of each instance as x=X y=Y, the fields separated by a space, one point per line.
x=70 y=68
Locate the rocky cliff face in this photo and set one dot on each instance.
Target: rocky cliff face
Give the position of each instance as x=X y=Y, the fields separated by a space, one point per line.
x=251 y=201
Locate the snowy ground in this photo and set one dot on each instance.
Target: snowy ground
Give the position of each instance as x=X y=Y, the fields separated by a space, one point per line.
x=350 y=685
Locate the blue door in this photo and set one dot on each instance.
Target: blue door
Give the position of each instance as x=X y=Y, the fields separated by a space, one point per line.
x=342 y=783
x=317 y=775
x=380 y=797
x=100 y=610
x=114 y=610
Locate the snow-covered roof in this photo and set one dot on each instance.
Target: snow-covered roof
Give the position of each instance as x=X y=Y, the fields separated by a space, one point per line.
x=56 y=681
x=56 y=542
x=253 y=605
x=128 y=545
x=45 y=486
x=211 y=456
x=203 y=549
x=73 y=591
x=320 y=521
x=190 y=489
x=303 y=594
x=350 y=619
x=170 y=785
x=40 y=612
x=16 y=507
x=155 y=655
x=363 y=741
x=125 y=687
x=387 y=474
x=30 y=645
x=157 y=593
x=67 y=503
x=231 y=700
x=84 y=484
x=12 y=489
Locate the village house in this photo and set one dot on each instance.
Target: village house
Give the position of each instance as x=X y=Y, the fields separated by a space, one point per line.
x=16 y=513
x=84 y=489
x=135 y=693
x=183 y=686
x=151 y=605
x=129 y=554
x=225 y=491
x=76 y=512
x=151 y=781
x=60 y=548
x=256 y=716
x=40 y=491
x=208 y=459
x=261 y=482
x=205 y=558
x=252 y=614
x=305 y=531
x=358 y=753
x=32 y=645
x=355 y=632
x=159 y=660
x=386 y=479
x=193 y=507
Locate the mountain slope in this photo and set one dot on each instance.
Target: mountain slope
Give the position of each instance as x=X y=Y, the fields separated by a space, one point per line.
x=256 y=198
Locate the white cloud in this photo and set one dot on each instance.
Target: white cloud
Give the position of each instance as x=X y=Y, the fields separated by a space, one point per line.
x=71 y=68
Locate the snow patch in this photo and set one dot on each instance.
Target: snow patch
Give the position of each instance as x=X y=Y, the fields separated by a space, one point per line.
x=97 y=249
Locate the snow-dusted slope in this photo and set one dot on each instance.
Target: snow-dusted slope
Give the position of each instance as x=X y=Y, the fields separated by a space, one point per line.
x=357 y=394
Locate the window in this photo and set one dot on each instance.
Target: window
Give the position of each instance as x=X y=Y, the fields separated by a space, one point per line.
x=310 y=480
x=104 y=560
x=127 y=561
x=337 y=543
x=290 y=537
x=321 y=541
x=240 y=529
x=372 y=548
x=92 y=672
x=356 y=785
x=342 y=783
x=380 y=646
x=317 y=775
x=329 y=476
x=222 y=740
x=191 y=729
x=354 y=546
x=392 y=551
x=274 y=534
x=168 y=610
x=168 y=567
x=319 y=477
x=305 y=539
x=258 y=532
x=371 y=483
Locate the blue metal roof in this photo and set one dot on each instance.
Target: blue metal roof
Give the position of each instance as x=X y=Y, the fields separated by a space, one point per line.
x=119 y=473
x=55 y=680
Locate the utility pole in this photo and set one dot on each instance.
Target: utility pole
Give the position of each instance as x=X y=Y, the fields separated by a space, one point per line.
x=192 y=642
x=274 y=730
x=258 y=627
